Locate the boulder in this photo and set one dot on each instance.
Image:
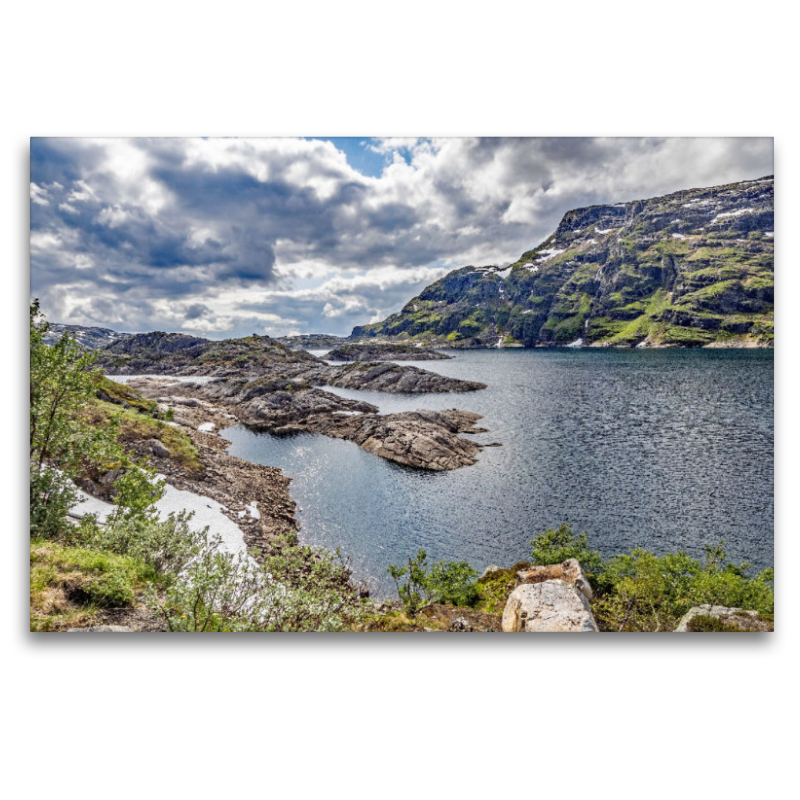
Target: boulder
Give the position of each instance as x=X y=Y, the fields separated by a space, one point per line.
x=489 y=570
x=552 y=606
x=158 y=448
x=569 y=571
x=710 y=618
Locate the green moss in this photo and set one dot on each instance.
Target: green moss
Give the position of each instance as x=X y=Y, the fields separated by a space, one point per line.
x=119 y=394
x=137 y=427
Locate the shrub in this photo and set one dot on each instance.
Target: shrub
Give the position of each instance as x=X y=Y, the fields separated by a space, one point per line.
x=452 y=582
x=221 y=592
x=555 y=546
x=63 y=444
x=446 y=582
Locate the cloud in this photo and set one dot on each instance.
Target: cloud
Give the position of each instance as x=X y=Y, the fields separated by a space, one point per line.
x=232 y=236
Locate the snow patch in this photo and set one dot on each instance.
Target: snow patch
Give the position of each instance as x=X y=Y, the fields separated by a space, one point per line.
x=737 y=213
x=603 y=232
x=577 y=343
x=207 y=512
x=769 y=234
x=678 y=236
x=206 y=427
x=546 y=255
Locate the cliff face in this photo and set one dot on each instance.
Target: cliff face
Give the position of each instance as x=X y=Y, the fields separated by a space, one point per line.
x=693 y=268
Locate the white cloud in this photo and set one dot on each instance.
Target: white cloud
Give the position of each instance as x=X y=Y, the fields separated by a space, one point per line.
x=283 y=234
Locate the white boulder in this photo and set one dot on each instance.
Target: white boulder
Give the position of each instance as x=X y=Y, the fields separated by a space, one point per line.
x=553 y=606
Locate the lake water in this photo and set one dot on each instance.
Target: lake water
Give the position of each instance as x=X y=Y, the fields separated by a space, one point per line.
x=667 y=449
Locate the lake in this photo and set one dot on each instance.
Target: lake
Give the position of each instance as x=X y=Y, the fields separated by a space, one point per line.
x=664 y=449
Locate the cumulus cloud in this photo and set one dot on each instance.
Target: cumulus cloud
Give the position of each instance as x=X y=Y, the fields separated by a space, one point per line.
x=234 y=236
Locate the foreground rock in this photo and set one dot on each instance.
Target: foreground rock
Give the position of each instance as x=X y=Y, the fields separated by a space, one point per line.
x=569 y=571
x=383 y=352
x=422 y=439
x=719 y=619
x=553 y=606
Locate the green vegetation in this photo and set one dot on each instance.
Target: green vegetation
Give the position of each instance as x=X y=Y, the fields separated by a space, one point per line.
x=181 y=579
x=450 y=582
x=132 y=426
x=636 y=591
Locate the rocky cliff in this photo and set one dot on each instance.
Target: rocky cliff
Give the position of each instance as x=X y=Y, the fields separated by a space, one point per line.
x=693 y=268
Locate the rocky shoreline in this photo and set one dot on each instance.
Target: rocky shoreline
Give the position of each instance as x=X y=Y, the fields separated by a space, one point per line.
x=421 y=439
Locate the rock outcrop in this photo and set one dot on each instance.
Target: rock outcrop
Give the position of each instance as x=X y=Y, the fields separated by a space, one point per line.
x=569 y=571
x=694 y=268
x=719 y=619
x=553 y=606
x=421 y=439
x=379 y=377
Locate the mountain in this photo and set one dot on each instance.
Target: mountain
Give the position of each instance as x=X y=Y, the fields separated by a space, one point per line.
x=90 y=338
x=693 y=268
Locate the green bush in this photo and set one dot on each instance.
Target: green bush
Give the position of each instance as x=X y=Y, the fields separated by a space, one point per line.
x=63 y=443
x=446 y=582
x=300 y=589
x=555 y=546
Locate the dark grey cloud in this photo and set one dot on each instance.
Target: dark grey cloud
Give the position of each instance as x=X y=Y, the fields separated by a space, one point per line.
x=221 y=235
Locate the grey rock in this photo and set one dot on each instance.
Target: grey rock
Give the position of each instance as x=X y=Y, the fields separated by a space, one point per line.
x=730 y=617
x=158 y=448
x=489 y=570
x=554 y=606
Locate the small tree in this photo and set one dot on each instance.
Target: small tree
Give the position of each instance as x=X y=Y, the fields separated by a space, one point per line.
x=555 y=546
x=63 y=379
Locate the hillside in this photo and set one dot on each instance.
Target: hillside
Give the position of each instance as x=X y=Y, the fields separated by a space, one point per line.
x=90 y=338
x=176 y=353
x=693 y=268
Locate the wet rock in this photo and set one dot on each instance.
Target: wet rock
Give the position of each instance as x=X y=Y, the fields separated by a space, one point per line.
x=710 y=618
x=569 y=571
x=554 y=606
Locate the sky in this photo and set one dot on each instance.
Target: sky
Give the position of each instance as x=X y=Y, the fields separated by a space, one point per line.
x=227 y=237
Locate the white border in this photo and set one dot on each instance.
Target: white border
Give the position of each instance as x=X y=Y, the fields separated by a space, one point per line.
x=397 y=716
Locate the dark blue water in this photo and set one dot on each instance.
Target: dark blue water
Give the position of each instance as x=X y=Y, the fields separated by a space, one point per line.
x=667 y=449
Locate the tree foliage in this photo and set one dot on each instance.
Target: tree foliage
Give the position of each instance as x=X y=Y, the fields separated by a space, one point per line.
x=63 y=444
x=445 y=582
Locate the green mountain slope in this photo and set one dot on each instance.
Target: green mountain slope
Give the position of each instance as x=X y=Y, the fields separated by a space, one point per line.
x=693 y=268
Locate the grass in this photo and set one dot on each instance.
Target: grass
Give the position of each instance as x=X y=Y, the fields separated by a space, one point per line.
x=140 y=427
x=70 y=586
